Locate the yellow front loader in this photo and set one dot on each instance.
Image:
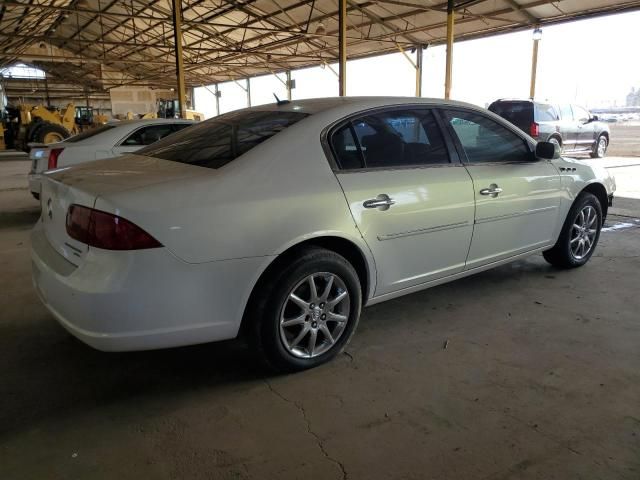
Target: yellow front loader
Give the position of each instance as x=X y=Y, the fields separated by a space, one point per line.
x=26 y=124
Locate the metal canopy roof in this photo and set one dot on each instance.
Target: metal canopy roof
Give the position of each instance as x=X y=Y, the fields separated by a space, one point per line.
x=100 y=44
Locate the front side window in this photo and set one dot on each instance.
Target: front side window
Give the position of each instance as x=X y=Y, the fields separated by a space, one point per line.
x=392 y=139
x=581 y=114
x=486 y=141
x=217 y=141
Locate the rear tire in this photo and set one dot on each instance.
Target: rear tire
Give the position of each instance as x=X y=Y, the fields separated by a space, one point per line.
x=556 y=141
x=579 y=235
x=296 y=334
x=48 y=132
x=600 y=147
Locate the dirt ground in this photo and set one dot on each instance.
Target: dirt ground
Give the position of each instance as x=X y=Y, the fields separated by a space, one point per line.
x=540 y=379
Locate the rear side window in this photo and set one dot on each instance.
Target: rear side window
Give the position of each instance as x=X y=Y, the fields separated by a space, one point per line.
x=486 y=141
x=216 y=142
x=89 y=133
x=148 y=135
x=546 y=113
x=565 y=112
x=345 y=149
x=518 y=113
x=391 y=139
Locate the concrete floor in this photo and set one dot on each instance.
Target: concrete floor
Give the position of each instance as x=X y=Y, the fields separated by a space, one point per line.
x=540 y=380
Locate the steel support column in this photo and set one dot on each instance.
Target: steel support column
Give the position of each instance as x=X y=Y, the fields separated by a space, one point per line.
x=177 y=37
x=288 y=84
x=342 y=48
x=449 y=64
x=248 y=90
x=419 y=71
x=217 y=95
x=534 y=68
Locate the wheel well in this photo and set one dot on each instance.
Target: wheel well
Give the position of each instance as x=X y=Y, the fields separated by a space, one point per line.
x=606 y=135
x=600 y=192
x=557 y=137
x=339 y=245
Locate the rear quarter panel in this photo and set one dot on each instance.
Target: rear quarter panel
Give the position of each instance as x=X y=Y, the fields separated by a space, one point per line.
x=278 y=194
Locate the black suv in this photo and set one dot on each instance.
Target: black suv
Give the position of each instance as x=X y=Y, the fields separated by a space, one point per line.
x=570 y=126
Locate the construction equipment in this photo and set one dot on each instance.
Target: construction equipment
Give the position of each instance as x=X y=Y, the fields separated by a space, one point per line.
x=171 y=109
x=86 y=118
x=26 y=123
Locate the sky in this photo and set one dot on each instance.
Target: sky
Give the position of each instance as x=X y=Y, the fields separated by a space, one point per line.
x=591 y=62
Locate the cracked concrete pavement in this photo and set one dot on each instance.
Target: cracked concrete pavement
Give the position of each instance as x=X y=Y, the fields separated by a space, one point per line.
x=540 y=379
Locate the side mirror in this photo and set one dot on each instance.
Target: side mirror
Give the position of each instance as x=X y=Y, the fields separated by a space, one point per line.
x=547 y=150
x=595 y=118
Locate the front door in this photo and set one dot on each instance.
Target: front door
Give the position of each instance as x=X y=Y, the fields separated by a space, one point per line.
x=586 y=131
x=517 y=196
x=412 y=205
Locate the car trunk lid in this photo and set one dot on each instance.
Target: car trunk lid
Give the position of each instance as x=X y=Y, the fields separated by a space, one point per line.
x=83 y=184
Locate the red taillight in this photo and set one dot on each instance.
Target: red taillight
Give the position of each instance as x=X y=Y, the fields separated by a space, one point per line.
x=107 y=231
x=534 y=130
x=54 y=153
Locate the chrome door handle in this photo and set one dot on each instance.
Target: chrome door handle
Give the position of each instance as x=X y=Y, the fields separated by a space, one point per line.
x=493 y=190
x=382 y=201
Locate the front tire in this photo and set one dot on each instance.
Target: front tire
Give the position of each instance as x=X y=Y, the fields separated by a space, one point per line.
x=579 y=235
x=304 y=314
x=600 y=147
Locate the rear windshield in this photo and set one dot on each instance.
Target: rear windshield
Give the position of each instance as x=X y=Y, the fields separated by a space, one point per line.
x=89 y=133
x=518 y=113
x=216 y=142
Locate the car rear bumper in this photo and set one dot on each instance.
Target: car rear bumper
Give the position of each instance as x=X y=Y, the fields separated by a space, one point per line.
x=35 y=183
x=142 y=300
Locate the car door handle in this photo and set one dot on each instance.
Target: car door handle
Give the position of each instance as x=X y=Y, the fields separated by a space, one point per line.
x=382 y=201
x=493 y=190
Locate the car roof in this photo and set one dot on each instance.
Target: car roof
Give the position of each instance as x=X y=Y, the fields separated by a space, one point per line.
x=147 y=121
x=317 y=105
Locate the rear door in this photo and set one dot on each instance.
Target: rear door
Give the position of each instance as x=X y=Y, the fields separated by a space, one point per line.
x=412 y=203
x=517 y=196
x=568 y=127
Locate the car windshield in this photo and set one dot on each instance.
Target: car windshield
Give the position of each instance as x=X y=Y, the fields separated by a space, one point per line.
x=218 y=141
x=89 y=133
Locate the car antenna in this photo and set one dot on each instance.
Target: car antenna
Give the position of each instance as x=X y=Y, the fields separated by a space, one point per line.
x=280 y=102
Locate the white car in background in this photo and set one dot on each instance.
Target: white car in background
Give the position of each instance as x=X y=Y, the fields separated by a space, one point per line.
x=281 y=221
x=107 y=141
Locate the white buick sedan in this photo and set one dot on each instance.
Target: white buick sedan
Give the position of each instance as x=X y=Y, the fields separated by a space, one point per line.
x=281 y=222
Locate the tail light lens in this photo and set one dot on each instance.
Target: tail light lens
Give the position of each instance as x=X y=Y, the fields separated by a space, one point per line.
x=54 y=153
x=534 y=130
x=107 y=231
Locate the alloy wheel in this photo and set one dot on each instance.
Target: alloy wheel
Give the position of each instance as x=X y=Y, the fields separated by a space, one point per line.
x=602 y=146
x=583 y=232
x=314 y=315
